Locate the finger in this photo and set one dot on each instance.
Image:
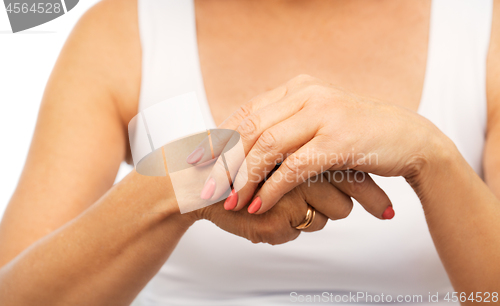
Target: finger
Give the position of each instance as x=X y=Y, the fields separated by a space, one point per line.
x=255 y=104
x=317 y=224
x=324 y=197
x=268 y=98
x=252 y=127
x=211 y=147
x=298 y=207
x=273 y=227
x=202 y=152
x=271 y=148
x=296 y=169
x=223 y=172
x=217 y=182
x=360 y=186
x=258 y=125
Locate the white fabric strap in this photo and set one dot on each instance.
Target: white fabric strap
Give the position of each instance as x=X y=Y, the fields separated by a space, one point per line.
x=454 y=94
x=168 y=34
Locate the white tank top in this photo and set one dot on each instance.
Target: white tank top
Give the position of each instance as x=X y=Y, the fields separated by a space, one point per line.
x=357 y=254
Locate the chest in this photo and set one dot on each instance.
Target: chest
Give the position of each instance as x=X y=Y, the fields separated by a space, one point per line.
x=377 y=49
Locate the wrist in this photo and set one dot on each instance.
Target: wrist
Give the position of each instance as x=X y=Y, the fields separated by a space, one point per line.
x=155 y=196
x=427 y=166
x=200 y=214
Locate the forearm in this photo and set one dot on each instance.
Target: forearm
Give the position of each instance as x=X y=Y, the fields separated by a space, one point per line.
x=463 y=217
x=103 y=257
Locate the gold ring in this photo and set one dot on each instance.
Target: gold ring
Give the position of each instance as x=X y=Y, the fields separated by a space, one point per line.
x=308 y=220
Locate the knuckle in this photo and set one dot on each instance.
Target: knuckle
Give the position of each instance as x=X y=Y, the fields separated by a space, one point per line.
x=254 y=236
x=299 y=80
x=249 y=126
x=296 y=163
x=244 y=111
x=294 y=234
x=345 y=211
x=298 y=215
x=219 y=140
x=281 y=233
x=298 y=194
x=321 y=225
x=275 y=227
x=294 y=207
x=276 y=239
x=303 y=78
x=315 y=89
x=265 y=233
x=358 y=187
x=274 y=188
x=267 y=142
x=287 y=236
x=268 y=230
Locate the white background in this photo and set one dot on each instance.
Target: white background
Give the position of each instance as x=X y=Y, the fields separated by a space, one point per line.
x=26 y=61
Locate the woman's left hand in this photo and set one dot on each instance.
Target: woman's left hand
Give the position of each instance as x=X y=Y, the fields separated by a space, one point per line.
x=278 y=225
x=325 y=128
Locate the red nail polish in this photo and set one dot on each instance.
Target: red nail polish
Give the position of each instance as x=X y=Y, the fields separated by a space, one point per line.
x=231 y=201
x=255 y=206
x=388 y=213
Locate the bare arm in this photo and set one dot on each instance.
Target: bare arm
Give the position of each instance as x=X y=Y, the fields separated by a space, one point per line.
x=68 y=236
x=103 y=257
x=462 y=211
x=80 y=136
x=78 y=145
x=492 y=149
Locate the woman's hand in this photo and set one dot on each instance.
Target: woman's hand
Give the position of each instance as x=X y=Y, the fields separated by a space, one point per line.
x=277 y=225
x=313 y=127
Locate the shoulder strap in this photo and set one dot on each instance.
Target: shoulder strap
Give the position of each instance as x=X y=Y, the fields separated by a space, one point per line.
x=454 y=94
x=170 y=62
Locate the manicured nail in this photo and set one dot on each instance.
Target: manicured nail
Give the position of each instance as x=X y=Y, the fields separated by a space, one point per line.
x=256 y=204
x=195 y=156
x=231 y=201
x=208 y=189
x=388 y=213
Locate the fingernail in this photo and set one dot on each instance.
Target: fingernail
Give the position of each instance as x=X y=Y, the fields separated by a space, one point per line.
x=195 y=156
x=256 y=204
x=388 y=213
x=231 y=201
x=208 y=189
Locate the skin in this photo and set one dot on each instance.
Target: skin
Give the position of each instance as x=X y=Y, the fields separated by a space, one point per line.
x=465 y=235
x=66 y=224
